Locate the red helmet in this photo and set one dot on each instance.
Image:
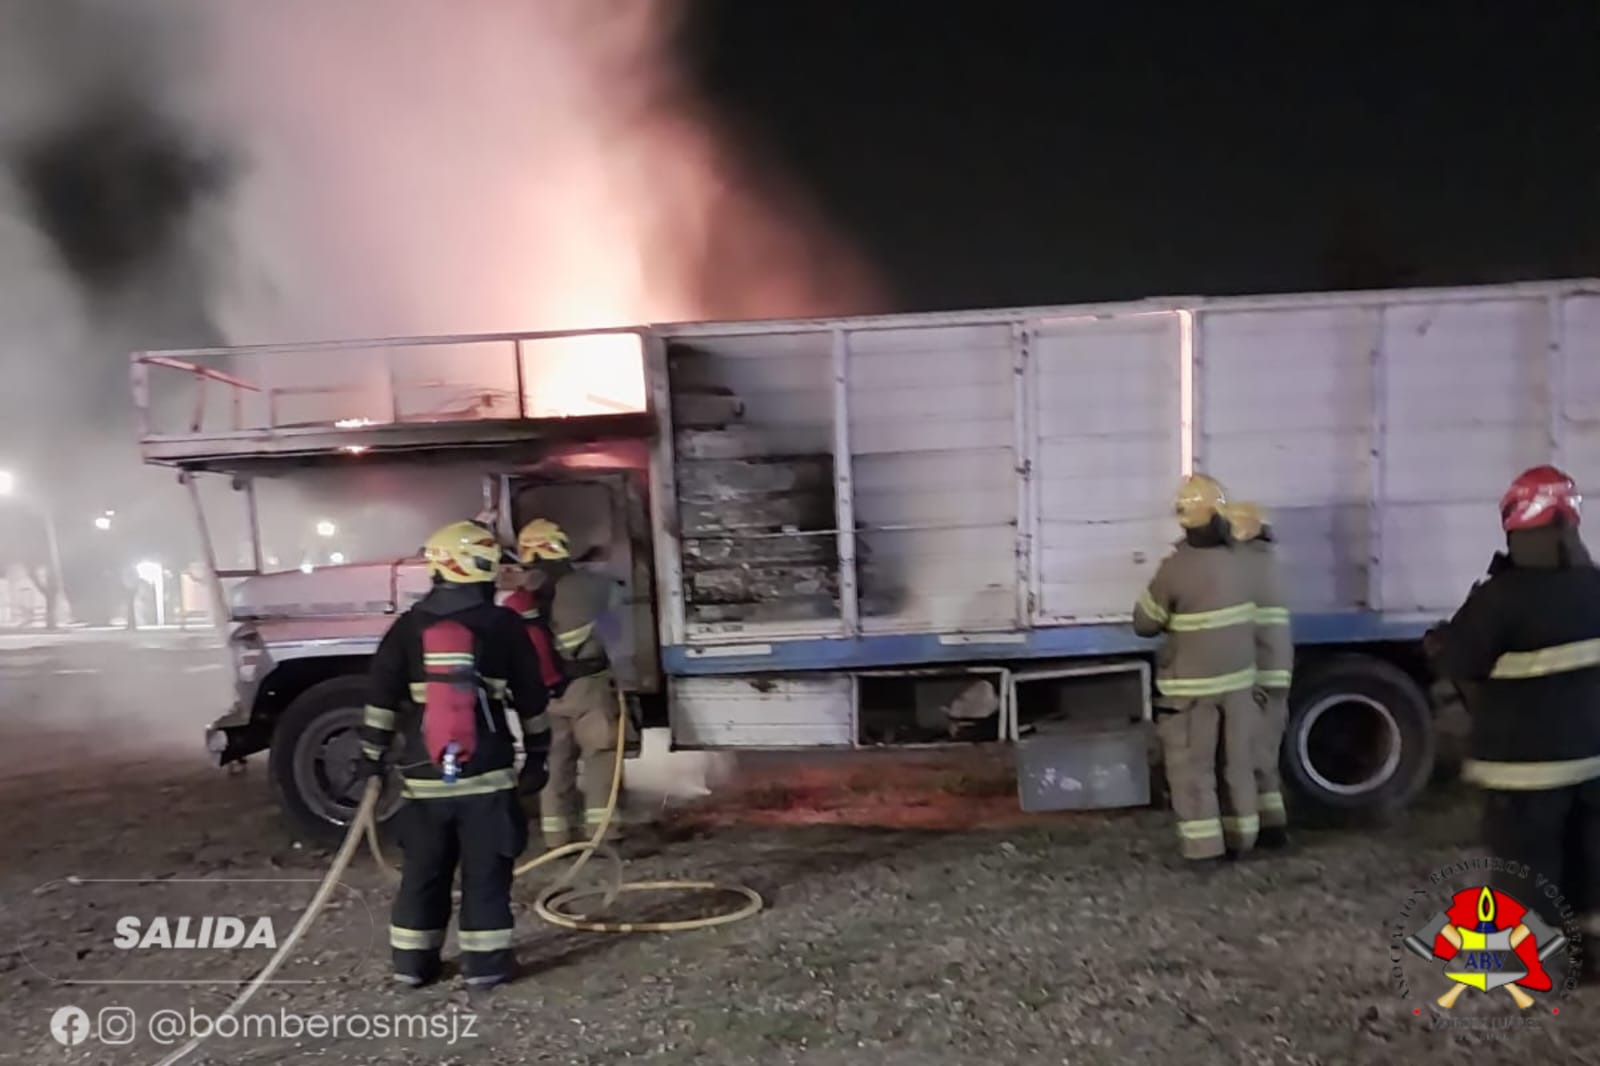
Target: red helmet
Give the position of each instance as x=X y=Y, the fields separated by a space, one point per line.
x=1537 y=497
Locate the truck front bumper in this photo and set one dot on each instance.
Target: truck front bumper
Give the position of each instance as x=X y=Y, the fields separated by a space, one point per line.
x=228 y=738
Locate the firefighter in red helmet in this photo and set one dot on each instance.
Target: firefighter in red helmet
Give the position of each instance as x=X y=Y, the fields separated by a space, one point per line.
x=1527 y=643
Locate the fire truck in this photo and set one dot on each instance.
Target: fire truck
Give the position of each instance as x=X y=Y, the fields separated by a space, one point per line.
x=917 y=529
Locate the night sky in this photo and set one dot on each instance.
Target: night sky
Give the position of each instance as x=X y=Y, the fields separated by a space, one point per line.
x=1004 y=153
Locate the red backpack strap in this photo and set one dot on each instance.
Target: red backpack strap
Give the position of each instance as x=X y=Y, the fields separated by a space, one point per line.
x=522 y=602
x=453 y=689
x=549 y=662
x=538 y=629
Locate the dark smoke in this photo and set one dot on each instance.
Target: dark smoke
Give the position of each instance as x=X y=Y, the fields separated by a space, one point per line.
x=114 y=188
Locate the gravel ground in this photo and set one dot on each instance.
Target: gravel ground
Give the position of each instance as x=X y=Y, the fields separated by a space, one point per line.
x=1062 y=940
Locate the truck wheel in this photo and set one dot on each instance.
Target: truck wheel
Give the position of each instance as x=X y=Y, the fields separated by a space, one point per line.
x=1359 y=744
x=316 y=759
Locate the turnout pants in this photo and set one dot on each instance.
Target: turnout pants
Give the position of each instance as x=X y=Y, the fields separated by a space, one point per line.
x=483 y=834
x=1556 y=833
x=583 y=751
x=1192 y=731
x=1273 y=709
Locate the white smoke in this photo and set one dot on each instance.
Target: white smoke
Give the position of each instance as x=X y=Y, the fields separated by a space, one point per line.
x=424 y=167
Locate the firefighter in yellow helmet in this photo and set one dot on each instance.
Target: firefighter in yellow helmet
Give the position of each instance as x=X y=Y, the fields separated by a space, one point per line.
x=1205 y=670
x=583 y=719
x=1254 y=543
x=444 y=678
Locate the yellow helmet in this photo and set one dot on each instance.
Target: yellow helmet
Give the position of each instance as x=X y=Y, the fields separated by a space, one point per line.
x=1244 y=519
x=463 y=553
x=1200 y=498
x=542 y=539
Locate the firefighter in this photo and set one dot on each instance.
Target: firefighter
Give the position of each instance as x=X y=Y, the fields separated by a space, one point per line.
x=442 y=678
x=1527 y=643
x=583 y=721
x=523 y=602
x=1205 y=674
x=1254 y=543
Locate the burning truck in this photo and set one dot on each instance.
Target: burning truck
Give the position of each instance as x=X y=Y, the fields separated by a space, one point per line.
x=886 y=531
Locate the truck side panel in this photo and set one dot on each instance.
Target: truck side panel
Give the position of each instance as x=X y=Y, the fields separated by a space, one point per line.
x=1575 y=421
x=1286 y=410
x=933 y=468
x=1106 y=403
x=1378 y=428
x=750 y=424
x=1465 y=412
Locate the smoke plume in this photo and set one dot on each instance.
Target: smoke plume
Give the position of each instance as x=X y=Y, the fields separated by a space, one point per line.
x=413 y=166
x=195 y=172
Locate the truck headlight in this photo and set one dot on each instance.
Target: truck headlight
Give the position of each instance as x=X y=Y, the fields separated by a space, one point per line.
x=248 y=655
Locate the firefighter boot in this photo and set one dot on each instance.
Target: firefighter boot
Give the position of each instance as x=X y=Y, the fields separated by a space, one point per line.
x=1273 y=838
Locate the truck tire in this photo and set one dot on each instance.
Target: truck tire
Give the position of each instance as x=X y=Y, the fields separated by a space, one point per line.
x=315 y=758
x=1359 y=745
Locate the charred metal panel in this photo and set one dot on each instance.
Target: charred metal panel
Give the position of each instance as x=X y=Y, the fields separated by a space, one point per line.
x=754 y=473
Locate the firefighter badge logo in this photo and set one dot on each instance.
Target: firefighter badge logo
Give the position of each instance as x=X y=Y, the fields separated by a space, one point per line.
x=1488 y=941
x=1485 y=948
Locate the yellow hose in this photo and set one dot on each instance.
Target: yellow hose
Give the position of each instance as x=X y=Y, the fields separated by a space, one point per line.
x=548 y=907
x=554 y=902
x=369 y=803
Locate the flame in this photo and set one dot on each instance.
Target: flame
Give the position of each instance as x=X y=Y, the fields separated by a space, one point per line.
x=595 y=375
x=1486 y=906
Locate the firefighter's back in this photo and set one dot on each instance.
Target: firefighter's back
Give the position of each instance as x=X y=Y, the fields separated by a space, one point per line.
x=1542 y=701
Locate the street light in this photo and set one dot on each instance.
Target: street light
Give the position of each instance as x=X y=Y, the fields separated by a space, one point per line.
x=103 y=523
x=326 y=528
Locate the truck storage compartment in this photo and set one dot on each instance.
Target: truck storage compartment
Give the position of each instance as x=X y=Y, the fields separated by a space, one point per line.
x=1083 y=736
x=911 y=707
x=767 y=711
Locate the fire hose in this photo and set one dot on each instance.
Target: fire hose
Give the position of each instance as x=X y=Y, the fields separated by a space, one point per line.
x=552 y=904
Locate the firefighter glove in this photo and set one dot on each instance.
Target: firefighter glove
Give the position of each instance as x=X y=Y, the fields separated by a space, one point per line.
x=535 y=773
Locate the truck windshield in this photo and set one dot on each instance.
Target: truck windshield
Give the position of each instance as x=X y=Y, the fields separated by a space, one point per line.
x=360 y=512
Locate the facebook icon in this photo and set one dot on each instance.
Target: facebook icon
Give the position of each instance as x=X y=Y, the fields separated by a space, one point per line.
x=70 y=1026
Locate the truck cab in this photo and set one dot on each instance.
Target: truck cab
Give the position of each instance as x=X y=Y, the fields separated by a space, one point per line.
x=313 y=505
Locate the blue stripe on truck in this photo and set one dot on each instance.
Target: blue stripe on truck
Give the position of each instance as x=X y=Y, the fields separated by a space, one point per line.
x=1053 y=642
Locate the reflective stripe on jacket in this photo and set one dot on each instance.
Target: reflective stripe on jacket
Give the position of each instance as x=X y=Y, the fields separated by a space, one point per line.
x=1528 y=642
x=1200 y=599
x=1274 y=638
x=579 y=601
